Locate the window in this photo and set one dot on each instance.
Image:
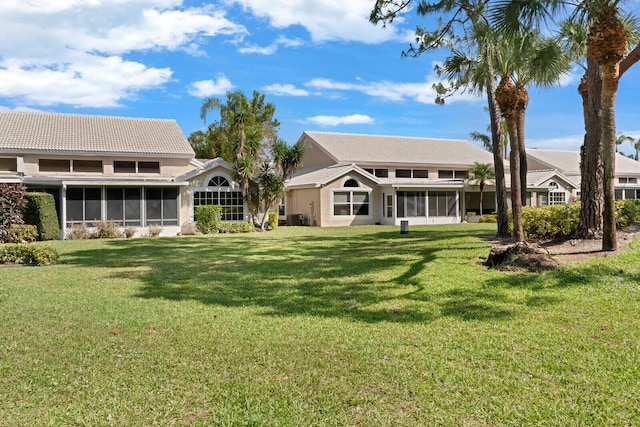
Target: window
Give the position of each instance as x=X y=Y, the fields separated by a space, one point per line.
x=630 y=193
x=389 y=205
x=351 y=183
x=557 y=198
x=84 y=205
x=380 y=173
x=54 y=165
x=627 y=180
x=148 y=167
x=351 y=203
x=87 y=166
x=120 y=166
x=124 y=206
x=131 y=166
x=218 y=181
x=452 y=174
x=231 y=202
x=412 y=203
x=443 y=203
x=412 y=173
x=9 y=165
x=161 y=206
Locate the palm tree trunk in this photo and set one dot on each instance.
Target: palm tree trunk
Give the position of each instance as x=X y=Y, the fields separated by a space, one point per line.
x=609 y=90
x=591 y=168
x=497 y=142
x=516 y=189
x=523 y=100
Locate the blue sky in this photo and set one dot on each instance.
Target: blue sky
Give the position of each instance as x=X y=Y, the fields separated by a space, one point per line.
x=320 y=62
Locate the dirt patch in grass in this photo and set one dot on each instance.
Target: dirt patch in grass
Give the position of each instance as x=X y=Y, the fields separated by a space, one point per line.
x=551 y=254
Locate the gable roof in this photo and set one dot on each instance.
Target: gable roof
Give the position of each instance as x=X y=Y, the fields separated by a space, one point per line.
x=539 y=177
x=55 y=133
x=318 y=177
x=568 y=162
x=383 y=149
x=204 y=167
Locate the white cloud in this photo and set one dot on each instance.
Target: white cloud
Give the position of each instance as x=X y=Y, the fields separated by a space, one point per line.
x=570 y=142
x=422 y=92
x=206 y=88
x=273 y=47
x=71 y=51
x=286 y=89
x=354 y=119
x=327 y=20
x=95 y=82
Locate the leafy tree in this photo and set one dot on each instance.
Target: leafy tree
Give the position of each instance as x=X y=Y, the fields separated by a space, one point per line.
x=246 y=136
x=482 y=172
x=12 y=204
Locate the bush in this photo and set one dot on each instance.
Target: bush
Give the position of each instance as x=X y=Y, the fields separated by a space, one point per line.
x=273 y=220
x=107 y=230
x=488 y=219
x=41 y=212
x=28 y=253
x=627 y=212
x=550 y=222
x=237 y=227
x=129 y=232
x=21 y=233
x=154 y=230
x=208 y=219
x=12 y=204
x=78 y=231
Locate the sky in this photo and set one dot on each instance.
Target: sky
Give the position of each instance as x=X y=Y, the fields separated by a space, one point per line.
x=322 y=64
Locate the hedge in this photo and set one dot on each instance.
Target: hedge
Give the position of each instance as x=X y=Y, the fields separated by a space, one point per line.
x=28 y=254
x=41 y=212
x=208 y=218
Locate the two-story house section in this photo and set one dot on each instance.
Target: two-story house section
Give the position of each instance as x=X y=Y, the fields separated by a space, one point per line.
x=100 y=168
x=351 y=179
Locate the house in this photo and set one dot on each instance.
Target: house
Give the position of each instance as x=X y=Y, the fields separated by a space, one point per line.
x=133 y=171
x=352 y=179
x=140 y=172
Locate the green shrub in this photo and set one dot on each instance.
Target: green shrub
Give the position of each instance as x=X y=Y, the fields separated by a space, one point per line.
x=550 y=222
x=12 y=204
x=237 y=227
x=208 y=218
x=488 y=219
x=106 y=230
x=28 y=253
x=78 y=232
x=273 y=220
x=627 y=212
x=41 y=212
x=21 y=233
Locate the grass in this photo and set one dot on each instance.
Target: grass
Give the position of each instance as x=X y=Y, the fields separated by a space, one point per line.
x=356 y=326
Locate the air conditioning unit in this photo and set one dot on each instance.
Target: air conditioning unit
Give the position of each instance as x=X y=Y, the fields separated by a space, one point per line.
x=296 y=219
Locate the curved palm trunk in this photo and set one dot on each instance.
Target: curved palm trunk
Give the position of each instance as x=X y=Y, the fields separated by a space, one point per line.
x=609 y=90
x=523 y=101
x=591 y=167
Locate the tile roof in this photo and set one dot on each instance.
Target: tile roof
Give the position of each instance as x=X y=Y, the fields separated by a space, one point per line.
x=568 y=162
x=316 y=177
x=28 y=131
x=381 y=149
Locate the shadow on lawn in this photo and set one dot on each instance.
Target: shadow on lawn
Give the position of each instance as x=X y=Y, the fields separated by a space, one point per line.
x=364 y=277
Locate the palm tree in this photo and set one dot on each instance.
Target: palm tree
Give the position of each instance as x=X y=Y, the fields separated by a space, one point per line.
x=606 y=47
x=621 y=139
x=636 y=146
x=482 y=172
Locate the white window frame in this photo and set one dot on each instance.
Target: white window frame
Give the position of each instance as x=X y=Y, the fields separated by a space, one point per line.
x=351 y=190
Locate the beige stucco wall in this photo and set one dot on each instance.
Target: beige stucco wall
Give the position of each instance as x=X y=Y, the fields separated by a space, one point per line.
x=326 y=217
x=315 y=157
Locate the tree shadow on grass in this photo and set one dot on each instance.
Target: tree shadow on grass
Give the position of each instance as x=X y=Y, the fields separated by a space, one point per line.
x=369 y=277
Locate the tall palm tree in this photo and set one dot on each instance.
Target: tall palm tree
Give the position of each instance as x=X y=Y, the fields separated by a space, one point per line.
x=606 y=48
x=607 y=45
x=621 y=139
x=482 y=172
x=636 y=146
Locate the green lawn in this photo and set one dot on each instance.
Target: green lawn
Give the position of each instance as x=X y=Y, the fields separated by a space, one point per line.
x=303 y=326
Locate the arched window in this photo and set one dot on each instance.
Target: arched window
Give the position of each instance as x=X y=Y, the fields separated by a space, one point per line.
x=351 y=183
x=553 y=185
x=218 y=181
x=220 y=192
